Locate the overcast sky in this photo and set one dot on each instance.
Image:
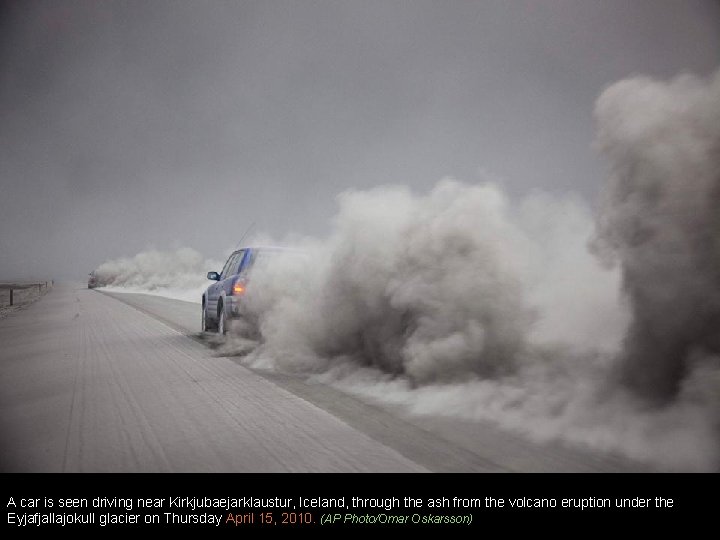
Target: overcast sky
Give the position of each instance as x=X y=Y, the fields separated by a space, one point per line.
x=133 y=124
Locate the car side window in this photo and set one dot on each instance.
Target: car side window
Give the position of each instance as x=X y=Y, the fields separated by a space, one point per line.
x=227 y=266
x=236 y=263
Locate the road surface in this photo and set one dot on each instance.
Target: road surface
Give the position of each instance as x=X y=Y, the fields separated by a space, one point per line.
x=93 y=382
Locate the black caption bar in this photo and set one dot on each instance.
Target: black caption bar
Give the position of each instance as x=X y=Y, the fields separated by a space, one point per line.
x=216 y=502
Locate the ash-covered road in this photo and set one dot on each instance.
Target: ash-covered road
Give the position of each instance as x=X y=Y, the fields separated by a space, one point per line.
x=92 y=382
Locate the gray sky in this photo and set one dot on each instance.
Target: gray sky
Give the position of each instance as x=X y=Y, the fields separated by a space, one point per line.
x=136 y=124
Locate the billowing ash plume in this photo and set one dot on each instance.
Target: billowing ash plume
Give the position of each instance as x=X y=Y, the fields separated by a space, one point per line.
x=440 y=287
x=661 y=221
x=426 y=286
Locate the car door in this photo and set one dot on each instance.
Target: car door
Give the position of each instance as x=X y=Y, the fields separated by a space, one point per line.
x=226 y=278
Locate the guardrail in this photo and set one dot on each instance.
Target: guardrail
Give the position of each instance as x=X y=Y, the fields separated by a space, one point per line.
x=14 y=294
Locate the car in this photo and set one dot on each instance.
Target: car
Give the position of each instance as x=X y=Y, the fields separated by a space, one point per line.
x=222 y=301
x=92 y=280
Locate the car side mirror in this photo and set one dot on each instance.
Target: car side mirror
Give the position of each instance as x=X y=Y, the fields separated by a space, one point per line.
x=214 y=276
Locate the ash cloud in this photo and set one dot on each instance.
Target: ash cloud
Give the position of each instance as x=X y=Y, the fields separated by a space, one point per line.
x=179 y=273
x=440 y=287
x=661 y=224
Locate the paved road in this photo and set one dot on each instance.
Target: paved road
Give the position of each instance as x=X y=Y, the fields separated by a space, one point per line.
x=123 y=382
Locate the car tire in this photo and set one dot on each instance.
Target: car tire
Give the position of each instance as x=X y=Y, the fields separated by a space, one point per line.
x=203 y=323
x=222 y=326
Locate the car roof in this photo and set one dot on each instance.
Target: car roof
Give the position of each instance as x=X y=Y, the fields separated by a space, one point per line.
x=266 y=248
